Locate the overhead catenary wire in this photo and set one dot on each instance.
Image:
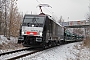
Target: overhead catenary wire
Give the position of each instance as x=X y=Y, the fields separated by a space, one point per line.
x=40 y=2
x=44 y=7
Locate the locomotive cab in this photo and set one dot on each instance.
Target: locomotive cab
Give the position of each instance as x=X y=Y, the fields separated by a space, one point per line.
x=40 y=31
x=31 y=32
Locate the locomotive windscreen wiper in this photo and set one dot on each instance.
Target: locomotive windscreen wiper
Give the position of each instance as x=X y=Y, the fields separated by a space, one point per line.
x=35 y=20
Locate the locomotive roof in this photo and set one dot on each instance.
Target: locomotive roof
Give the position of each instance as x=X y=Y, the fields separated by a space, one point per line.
x=50 y=17
x=33 y=15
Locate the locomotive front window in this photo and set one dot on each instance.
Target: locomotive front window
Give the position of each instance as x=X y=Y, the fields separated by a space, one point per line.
x=33 y=19
x=30 y=20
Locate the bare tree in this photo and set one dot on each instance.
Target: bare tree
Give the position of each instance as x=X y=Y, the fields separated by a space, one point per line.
x=11 y=18
x=61 y=19
x=14 y=19
x=0 y=18
x=4 y=6
x=87 y=41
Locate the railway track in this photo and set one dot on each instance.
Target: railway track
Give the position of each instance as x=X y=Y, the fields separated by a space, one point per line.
x=13 y=51
x=22 y=55
x=26 y=54
x=12 y=55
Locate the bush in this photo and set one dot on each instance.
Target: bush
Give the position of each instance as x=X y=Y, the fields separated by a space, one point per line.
x=87 y=42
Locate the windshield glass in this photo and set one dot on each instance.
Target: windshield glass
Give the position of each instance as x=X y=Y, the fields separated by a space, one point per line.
x=35 y=20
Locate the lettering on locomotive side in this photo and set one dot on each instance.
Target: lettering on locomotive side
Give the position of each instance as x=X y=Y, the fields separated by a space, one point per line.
x=34 y=30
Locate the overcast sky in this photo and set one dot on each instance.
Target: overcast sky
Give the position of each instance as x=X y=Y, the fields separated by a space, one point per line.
x=74 y=9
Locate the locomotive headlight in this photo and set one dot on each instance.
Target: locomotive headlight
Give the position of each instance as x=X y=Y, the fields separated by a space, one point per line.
x=40 y=33
x=22 y=32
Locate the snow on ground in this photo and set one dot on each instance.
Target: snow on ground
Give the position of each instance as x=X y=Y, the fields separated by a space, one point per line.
x=9 y=45
x=72 y=51
x=4 y=40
